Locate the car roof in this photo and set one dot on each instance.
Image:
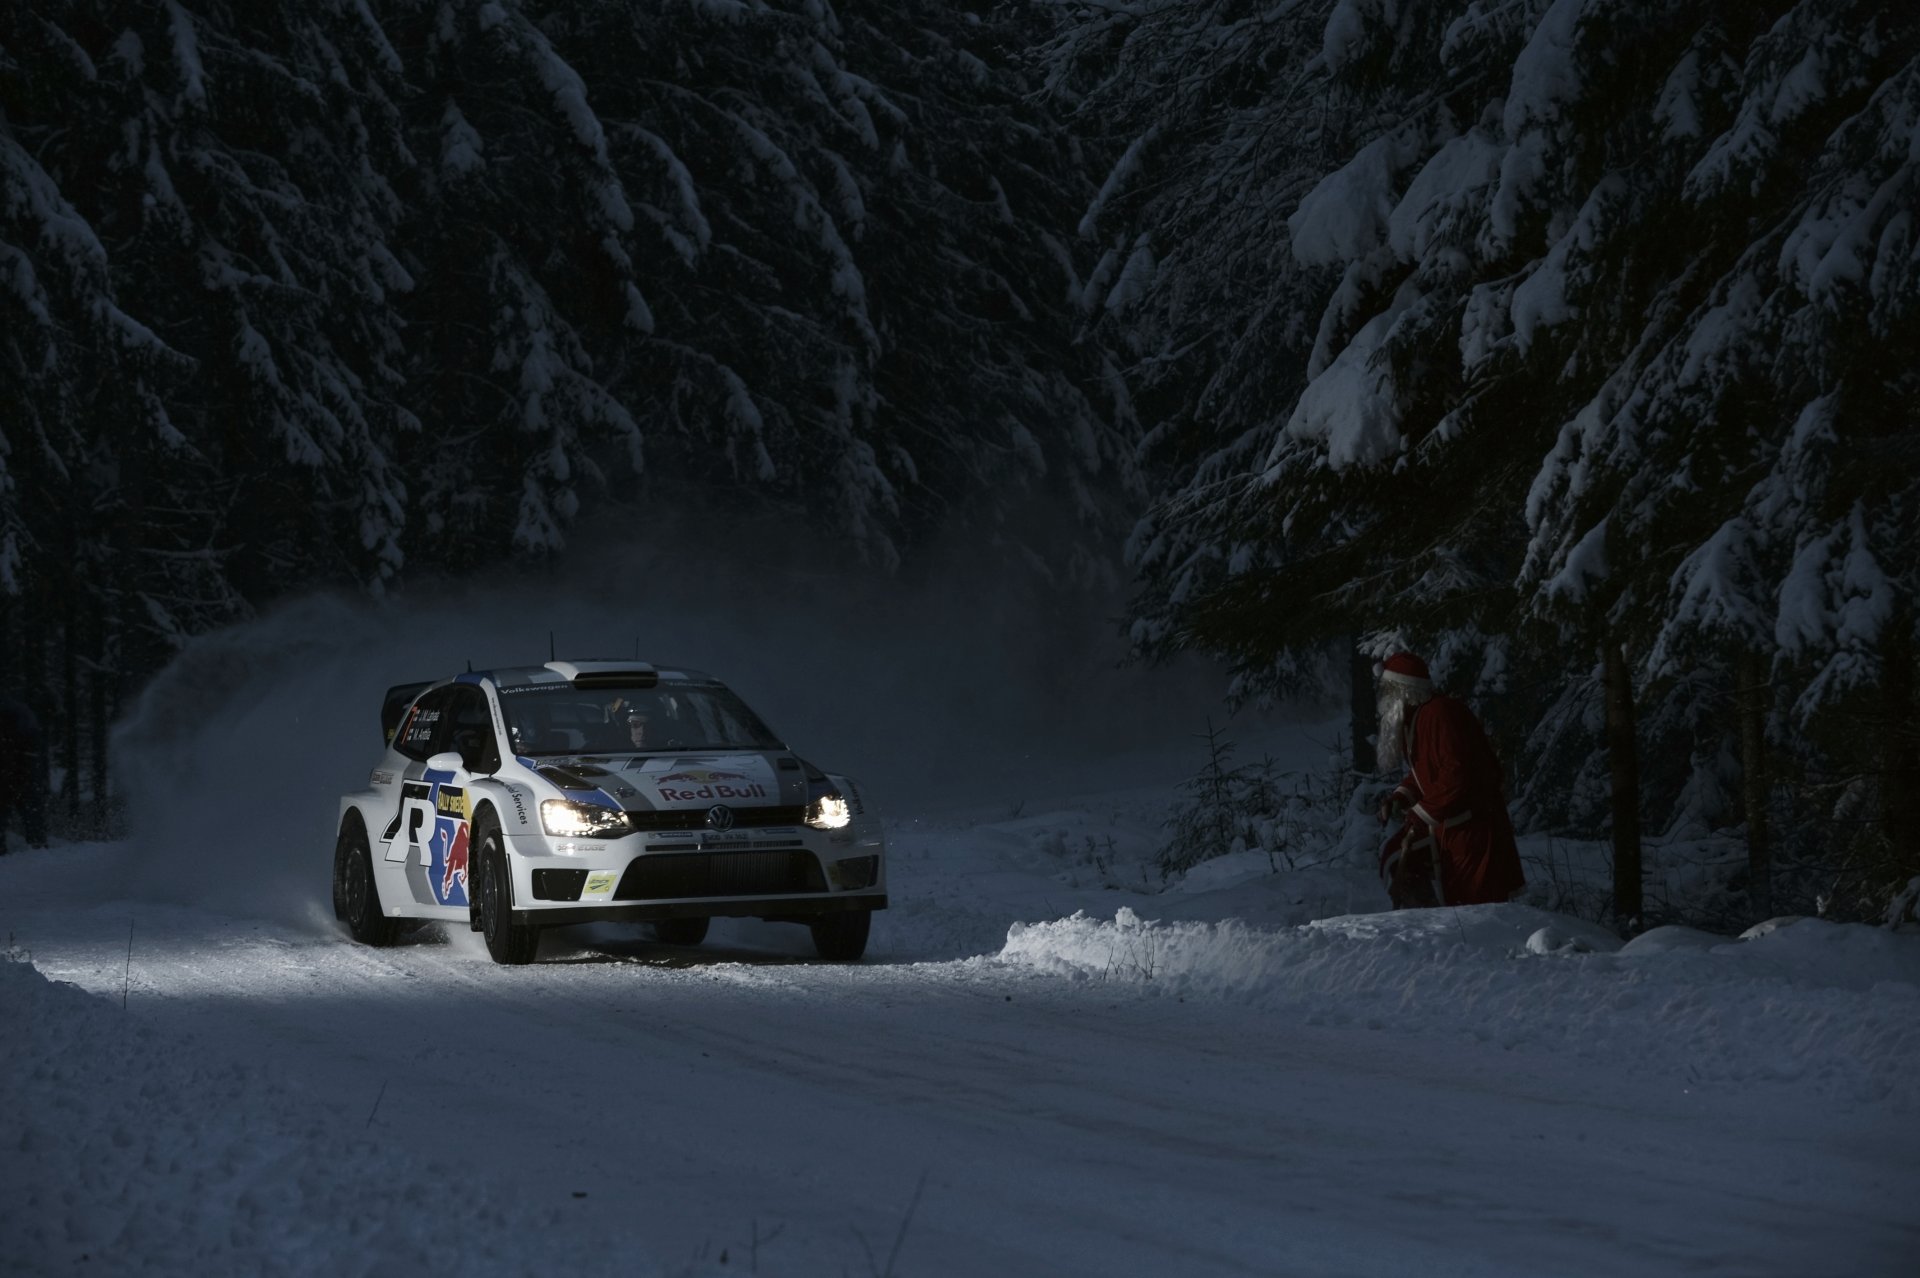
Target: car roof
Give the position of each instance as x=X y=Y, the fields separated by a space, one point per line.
x=598 y=671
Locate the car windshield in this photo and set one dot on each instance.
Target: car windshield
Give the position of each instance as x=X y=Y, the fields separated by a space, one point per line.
x=550 y=719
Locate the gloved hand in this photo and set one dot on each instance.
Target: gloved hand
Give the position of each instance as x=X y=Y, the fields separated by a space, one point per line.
x=1393 y=807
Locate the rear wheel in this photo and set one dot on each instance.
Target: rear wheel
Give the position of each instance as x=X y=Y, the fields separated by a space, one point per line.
x=681 y=931
x=356 y=898
x=842 y=938
x=508 y=942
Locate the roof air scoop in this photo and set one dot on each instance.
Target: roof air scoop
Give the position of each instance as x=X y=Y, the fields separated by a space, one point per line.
x=606 y=674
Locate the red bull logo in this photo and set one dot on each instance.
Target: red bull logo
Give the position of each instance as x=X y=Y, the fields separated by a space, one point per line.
x=702 y=776
x=455 y=869
x=708 y=793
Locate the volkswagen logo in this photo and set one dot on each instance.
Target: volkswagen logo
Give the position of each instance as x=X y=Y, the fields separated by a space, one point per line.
x=720 y=817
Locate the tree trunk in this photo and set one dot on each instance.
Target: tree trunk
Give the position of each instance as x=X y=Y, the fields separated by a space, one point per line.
x=34 y=628
x=98 y=682
x=1363 y=718
x=69 y=710
x=1624 y=765
x=1754 y=695
x=1899 y=744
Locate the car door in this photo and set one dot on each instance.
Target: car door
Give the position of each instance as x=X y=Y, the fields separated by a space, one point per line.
x=424 y=845
x=437 y=857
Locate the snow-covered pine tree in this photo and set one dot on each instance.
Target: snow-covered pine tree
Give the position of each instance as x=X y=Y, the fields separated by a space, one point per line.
x=91 y=578
x=1290 y=329
x=1680 y=230
x=1735 y=492
x=1194 y=123
x=367 y=292
x=1020 y=439
x=732 y=254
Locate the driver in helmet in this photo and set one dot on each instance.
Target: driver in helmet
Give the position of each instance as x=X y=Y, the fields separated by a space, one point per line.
x=639 y=719
x=640 y=727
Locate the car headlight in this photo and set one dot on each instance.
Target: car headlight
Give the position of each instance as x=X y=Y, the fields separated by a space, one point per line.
x=567 y=819
x=828 y=812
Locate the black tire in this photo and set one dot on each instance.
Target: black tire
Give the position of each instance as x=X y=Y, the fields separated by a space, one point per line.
x=508 y=942
x=356 y=897
x=681 y=931
x=842 y=938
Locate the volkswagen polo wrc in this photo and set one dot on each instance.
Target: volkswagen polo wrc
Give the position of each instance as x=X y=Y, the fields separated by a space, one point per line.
x=584 y=791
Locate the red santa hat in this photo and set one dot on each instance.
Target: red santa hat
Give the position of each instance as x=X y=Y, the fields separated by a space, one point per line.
x=1407 y=670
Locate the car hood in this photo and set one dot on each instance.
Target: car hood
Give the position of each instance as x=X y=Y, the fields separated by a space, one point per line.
x=663 y=782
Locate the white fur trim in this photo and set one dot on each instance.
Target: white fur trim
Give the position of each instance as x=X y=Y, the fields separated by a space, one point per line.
x=1405 y=680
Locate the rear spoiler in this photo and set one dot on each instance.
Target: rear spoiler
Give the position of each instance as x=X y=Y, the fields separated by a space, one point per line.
x=399 y=697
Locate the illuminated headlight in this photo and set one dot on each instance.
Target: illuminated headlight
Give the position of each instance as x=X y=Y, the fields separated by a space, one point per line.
x=828 y=812
x=571 y=820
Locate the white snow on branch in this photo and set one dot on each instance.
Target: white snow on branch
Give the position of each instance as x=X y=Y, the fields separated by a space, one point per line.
x=1542 y=299
x=1122 y=172
x=17 y=276
x=461 y=150
x=1584 y=567
x=26 y=190
x=1345 y=216
x=1350 y=30
x=388 y=57
x=1717 y=592
x=569 y=93
x=1346 y=307
x=639 y=314
x=1836 y=601
x=1522 y=168
x=1799 y=90
x=681 y=182
x=1353 y=407
x=1722 y=336
x=1545 y=75
x=846 y=96
x=1136 y=277
x=1449 y=188
x=186 y=54
x=1678 y=108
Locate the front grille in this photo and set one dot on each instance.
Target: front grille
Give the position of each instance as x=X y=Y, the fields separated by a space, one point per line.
x=696 y=818
x=683 y=874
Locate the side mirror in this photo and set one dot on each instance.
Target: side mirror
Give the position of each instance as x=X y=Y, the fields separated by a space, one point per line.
x=445 y=761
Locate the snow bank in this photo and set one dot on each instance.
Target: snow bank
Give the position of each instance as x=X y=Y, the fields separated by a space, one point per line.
x=1833 y=1008
x=124 y=1150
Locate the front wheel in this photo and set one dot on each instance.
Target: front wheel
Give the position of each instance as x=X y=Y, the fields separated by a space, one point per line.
x=842 y=938
x=508 y=942
x=356 y=898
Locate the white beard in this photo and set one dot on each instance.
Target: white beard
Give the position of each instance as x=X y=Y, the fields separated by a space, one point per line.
x=1397 y=705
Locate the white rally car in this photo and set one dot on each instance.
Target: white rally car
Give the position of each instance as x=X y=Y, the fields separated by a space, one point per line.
x=582 y=791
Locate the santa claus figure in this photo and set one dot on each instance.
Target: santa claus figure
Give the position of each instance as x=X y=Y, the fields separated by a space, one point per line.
x=1455 y=846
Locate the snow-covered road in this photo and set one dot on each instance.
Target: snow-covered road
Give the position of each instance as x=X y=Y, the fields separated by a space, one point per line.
x=731 y=1109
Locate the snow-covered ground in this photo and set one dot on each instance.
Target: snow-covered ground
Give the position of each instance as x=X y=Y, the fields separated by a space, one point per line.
x=1047 y=1064
x=1050 y=1063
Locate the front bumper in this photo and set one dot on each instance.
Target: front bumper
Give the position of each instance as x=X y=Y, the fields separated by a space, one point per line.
x=783 y=873
x=772 y=908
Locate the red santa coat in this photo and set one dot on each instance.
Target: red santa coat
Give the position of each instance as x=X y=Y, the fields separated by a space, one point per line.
x=1456 y=799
